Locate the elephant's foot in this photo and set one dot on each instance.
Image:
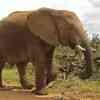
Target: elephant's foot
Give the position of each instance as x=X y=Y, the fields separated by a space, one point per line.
x=51 y=78
x=85 y=75
x=40 y=92
x=26 y=85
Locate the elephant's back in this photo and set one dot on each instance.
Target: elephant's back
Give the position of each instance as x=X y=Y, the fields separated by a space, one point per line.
x=18 y=17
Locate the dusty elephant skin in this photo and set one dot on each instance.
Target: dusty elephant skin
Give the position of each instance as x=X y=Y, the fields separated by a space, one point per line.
x=33 y=35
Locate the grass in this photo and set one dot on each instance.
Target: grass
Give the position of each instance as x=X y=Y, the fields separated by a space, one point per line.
x=10 y=76
x=74 y=84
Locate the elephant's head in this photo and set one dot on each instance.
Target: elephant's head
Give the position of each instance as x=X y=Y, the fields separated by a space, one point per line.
x=59 y=26
x=76 y=37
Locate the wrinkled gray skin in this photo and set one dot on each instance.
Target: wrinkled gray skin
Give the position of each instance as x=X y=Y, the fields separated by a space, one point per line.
x=33 y=35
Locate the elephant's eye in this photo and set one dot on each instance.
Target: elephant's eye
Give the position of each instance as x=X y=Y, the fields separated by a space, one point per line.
x=72 y=45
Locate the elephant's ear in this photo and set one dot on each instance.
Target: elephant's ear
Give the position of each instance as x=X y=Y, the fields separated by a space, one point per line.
x=41 y=24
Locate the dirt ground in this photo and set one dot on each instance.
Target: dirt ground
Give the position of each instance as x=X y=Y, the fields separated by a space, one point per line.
x=8 y=94
x=20 y=94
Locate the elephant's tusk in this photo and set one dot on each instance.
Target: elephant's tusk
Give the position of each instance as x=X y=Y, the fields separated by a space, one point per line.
x=80 y=48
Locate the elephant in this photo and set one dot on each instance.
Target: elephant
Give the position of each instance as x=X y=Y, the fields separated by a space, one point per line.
x=33 y=36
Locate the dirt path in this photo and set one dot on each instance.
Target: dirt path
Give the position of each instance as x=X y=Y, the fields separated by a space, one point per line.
x=13 y=95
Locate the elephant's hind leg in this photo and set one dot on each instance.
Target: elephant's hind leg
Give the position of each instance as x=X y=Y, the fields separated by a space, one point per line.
x=22 y=74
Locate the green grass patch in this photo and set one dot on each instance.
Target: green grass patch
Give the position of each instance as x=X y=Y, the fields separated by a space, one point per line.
x=10 y=76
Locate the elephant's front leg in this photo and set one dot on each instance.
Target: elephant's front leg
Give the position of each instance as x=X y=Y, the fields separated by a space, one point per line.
x=40 y=71
x=40 y=79
x=22 y=74
x=1 y=68
x=43 y=69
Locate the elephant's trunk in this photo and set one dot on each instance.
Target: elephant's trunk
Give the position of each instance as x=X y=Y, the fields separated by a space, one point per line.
x=88 y=62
